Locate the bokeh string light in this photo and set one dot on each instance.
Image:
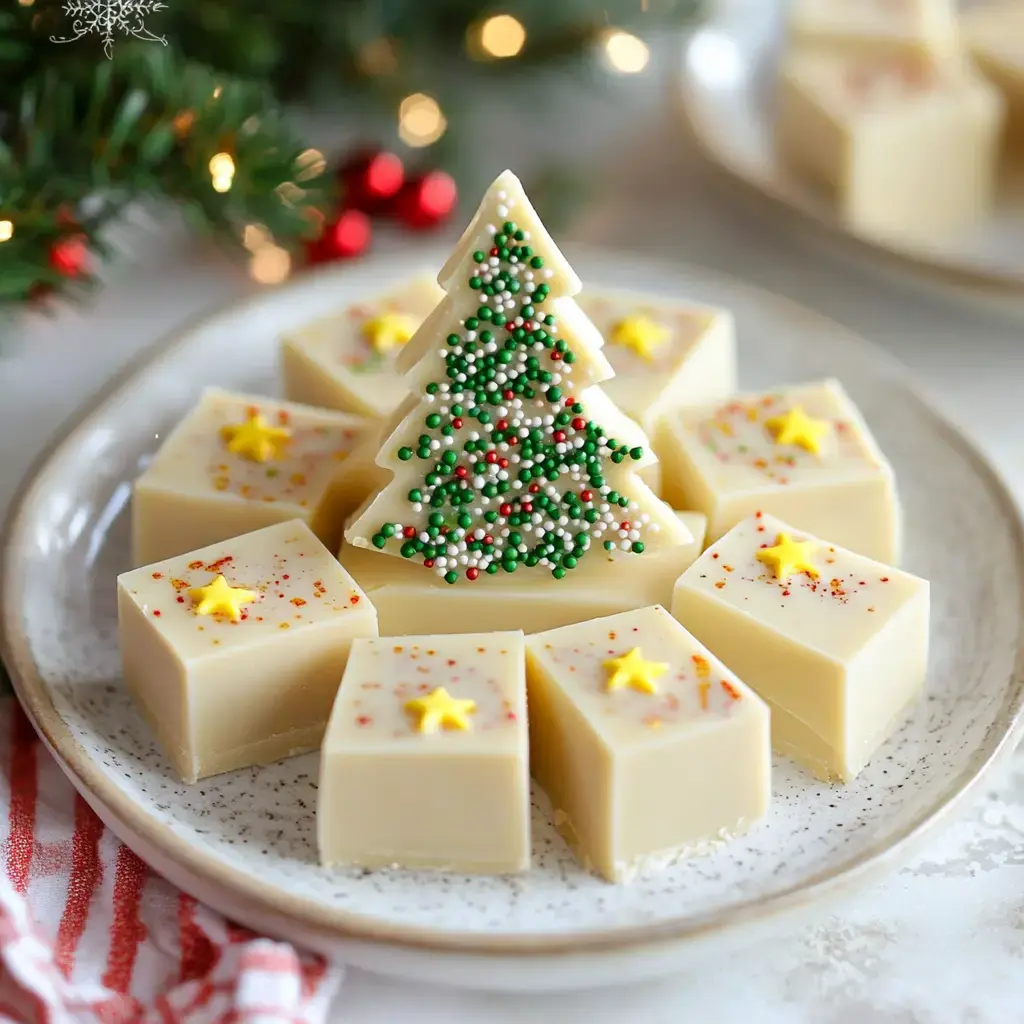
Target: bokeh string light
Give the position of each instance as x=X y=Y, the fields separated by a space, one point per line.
x=222 y=171
x=420 y=120
x=625 y=53
x=499 y=37
x=6 y=230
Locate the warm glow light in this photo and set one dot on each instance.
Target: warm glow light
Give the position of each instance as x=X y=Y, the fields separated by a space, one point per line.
x=222 y=170
x=255 y=236
x=625 y=52
x=222 y=166
x=217 y=90
x=310 y=163
x=270 y=264
x=6 y=230
x=26 y=3
x=377 y=57
x=502 y=36
x=420 y=121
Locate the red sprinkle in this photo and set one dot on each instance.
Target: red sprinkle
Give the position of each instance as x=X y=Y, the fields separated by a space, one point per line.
x=579 y=423
x=503 y=463
x=428 y=563
x=363 y=720
x=181 y=600
x=472 y=573
x=586 y=495
x=354 y=599
x=461 y=472
x=527 y=506
x=885 y=579
x=559 y=436
x=502 y=424
x=506 y=509
x=157 y=613
x=158 y=575
x=491 y=457
x=509 y=394
x=758 y=514
x=457 y=422
x=409 y=531
x=534 y=488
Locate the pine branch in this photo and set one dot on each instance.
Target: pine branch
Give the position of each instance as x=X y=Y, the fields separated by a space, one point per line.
x=87 y=138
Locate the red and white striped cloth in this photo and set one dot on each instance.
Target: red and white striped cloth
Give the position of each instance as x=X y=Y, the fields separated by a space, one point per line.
x=89 y=935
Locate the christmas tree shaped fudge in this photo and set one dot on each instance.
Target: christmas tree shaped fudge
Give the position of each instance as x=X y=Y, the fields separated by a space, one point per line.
x=665 y=354
x=836 y=643
x=346 y=361
x=802 y=453
x=648 y=746
x=506 y=458
x=238 y=462
x=233 y=653
x=425 y=763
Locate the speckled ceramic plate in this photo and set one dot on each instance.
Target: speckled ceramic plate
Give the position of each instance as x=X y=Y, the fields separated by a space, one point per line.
x=726 y=86
x=244 y=842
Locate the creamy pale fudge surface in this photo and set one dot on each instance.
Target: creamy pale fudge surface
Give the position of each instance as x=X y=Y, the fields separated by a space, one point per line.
x=871 y=131
x=411 y=600
x=994 y=35
x=425 y=763
x=875 y=27
x=664 y=353
x=803 y=453
x=233 y=653
x=238 y=462
x=346 y=361
x=508 y=456
x=648 y=746
x=836 y=643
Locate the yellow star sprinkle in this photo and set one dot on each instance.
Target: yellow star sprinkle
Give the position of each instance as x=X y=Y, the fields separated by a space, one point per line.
x=389 y=330
x=641 y=334
x=789 y=556
x=632 y=670
x=440 y=710
x=220 y=598
x=796 y=427
x=256 y=439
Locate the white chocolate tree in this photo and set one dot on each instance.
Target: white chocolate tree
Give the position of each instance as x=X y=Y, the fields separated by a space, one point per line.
x=506 y=455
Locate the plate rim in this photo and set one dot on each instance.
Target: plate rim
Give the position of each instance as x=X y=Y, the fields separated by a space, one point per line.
x=336 y=924
x=936 y=264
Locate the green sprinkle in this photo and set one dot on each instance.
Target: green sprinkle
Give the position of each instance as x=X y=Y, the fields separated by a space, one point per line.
x=451 y=576
x=638 y=547
x=379 y=540
x=405 y=454
x=433 y=420
x=636 y=453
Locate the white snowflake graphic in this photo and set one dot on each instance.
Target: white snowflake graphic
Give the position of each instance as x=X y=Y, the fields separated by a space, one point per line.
x=108 y=18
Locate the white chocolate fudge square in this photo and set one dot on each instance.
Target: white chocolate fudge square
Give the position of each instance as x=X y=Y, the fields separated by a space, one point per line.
x=802 y=453
x=664 y=353
x=410 y=599
x=238 y=462
x=623 y=711
x=234 y=653
x=346 y=360
x=994 y=35
x=871 y=132
x=836 y=643
x=425 y=763
x=875 y=26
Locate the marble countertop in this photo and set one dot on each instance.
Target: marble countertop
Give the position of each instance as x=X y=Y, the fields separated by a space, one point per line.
x=940 y=941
